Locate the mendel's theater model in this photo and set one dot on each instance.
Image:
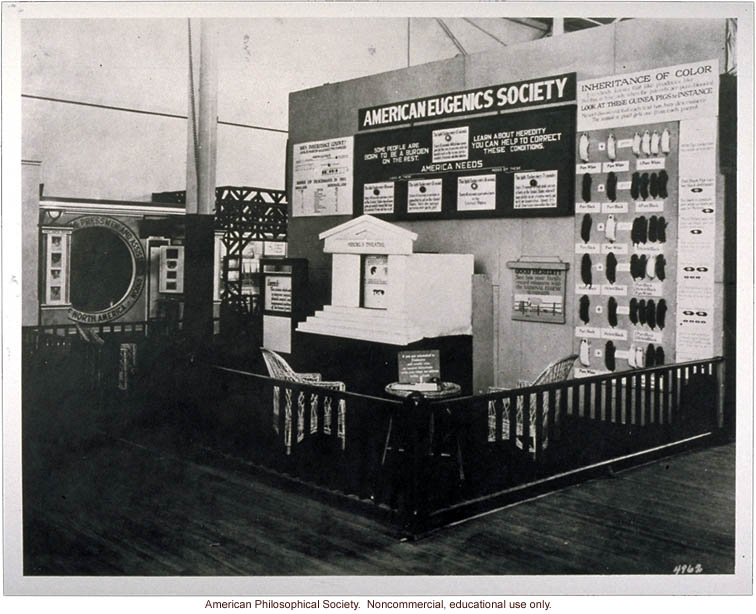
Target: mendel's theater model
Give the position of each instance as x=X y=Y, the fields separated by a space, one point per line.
x=489 y=277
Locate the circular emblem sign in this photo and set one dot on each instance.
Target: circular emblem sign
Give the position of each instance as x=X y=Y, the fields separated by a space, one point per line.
x=138 y=267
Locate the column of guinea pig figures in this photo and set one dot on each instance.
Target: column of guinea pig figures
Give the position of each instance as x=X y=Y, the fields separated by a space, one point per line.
x=586 y=264
x=642 y=186
x=645 y=313
x=610 y=234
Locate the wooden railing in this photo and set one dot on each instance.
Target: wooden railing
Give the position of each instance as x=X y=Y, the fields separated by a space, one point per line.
x=418 y=464
x=36 y=338
x=513 y=442
x=427 y=463
x=58 y=336
x=331 y=440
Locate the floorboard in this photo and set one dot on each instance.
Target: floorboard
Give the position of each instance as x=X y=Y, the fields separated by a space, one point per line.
x=141 y=505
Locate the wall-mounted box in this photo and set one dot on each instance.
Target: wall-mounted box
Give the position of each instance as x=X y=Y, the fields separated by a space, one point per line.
x=172 y=269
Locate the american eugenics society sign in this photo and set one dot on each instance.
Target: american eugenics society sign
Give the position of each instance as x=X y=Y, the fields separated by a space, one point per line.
x=533 y=92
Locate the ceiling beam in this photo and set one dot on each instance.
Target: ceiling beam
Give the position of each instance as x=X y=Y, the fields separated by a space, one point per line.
x=451 y=36
x=595 y=22
x=530 y=23
x=475 y=25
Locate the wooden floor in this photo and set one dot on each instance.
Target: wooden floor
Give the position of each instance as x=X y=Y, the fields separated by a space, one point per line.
x=142 y=506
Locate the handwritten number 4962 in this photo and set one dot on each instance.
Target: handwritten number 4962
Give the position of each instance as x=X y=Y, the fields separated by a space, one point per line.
x=681 y=569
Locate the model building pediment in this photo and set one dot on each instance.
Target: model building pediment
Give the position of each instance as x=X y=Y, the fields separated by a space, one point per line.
x=368 y=235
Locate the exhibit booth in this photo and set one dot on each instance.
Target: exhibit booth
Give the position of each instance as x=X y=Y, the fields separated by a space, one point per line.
x=504 y=273
x=97 y=261
x=510 y=208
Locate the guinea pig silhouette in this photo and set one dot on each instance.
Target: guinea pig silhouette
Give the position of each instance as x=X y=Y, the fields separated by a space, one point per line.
x=651 y=313
x=586 y=270
x=585 y=352
x=661 y=312
x=661 y=229
x=609 y=351
x=643 y=187
x=659 y=355
x=663 y=179
x=653 y=185
x=611 y=267
x=611 y=311
x=635 y=185
x=585 y=192
x=652 y=224
x=611 y=186
x=659 y=267
x=610 y=228
x=585 y=306
x=585 y=228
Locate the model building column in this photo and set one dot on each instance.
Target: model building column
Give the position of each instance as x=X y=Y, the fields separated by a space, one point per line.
x=200 y=182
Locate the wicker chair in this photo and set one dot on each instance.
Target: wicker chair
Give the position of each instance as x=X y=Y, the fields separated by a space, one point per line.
x=278 y=368
x=557 y=371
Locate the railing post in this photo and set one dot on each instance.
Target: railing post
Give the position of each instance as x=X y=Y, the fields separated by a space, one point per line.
x=416 y=417
x=721 y=422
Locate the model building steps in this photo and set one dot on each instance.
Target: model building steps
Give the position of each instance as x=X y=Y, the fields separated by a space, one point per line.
x=360 y=323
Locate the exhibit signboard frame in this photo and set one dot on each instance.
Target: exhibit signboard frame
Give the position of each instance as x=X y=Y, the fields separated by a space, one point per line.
x=518 y=164
x=645 y=218
x=539 y=290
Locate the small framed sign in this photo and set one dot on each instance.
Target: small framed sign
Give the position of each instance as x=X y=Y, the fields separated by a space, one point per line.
x=419 y=366
x=274 y=248
x=539 y=291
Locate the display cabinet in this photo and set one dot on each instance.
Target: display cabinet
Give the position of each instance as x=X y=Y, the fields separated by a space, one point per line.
x=284 y=300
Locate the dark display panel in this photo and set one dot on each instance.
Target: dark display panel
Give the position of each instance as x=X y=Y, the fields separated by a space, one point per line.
x=508 y=165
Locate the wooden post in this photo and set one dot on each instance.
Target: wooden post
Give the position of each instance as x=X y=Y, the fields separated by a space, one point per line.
x=720 y=370
x=202 y=125
x=416 y=414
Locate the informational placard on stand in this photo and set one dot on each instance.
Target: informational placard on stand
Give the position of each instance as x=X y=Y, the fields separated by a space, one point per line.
x=539 y=290
x=419 y=366
x=322 y=177
x=278 y=293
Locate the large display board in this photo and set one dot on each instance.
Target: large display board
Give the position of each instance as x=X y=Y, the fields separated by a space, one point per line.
x=645 y=208
x=509 y=165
